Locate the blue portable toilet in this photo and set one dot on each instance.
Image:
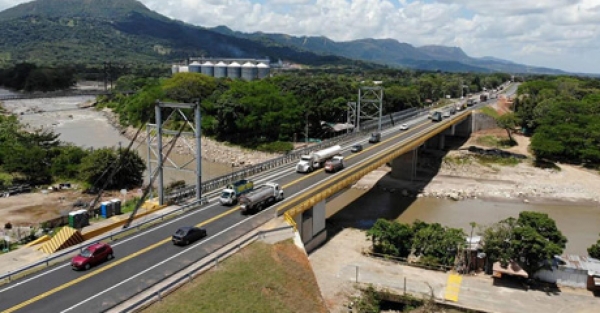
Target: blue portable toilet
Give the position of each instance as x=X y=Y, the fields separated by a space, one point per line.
x=106 y=209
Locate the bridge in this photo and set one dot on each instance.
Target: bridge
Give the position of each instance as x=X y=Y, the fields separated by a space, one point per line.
x=57 y=94
x=147 y=257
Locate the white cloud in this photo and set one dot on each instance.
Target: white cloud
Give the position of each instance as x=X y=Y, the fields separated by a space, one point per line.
x=561 y=34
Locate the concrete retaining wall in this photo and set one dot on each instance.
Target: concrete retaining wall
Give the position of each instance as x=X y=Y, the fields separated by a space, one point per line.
x=482 y=122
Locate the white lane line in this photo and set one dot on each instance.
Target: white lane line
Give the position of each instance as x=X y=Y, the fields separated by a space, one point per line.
x=151 y=268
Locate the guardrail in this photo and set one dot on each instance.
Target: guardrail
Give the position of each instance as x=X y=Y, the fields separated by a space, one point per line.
x=8 y=276
x=170 y=287
x=387 y=122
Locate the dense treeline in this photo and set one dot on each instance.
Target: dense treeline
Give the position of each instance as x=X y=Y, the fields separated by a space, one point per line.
x=563 y=113
x=37 y=157
x=29 y=77
x=531 y=240
x=278 y=109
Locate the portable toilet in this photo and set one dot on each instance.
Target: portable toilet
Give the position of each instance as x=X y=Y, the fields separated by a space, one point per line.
x=116 y=206
x=78 y=219
x=106 y=209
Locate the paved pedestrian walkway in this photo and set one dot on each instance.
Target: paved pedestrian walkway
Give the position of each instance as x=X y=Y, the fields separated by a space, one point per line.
x=339 y=264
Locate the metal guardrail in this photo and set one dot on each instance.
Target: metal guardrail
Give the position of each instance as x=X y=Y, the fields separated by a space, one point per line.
x=387 y=122
x=143 y=303
x=110 y=236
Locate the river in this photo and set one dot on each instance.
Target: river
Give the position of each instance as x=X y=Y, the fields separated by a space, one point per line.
x=90 y=129
x=580 y=223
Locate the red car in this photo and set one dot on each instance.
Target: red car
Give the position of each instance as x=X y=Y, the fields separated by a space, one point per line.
x=92 y=255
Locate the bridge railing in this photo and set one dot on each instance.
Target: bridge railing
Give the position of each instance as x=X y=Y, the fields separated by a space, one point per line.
x=230 y=236
x=292 y=156
x=8 y=276
x=58 y=94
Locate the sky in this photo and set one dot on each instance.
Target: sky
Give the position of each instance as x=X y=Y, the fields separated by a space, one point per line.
x=561 y=34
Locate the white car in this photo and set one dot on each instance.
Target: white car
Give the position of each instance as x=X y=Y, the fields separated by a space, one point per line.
x=404 y=127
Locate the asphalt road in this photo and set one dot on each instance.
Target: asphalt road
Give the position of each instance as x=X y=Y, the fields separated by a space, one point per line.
x=143 y=259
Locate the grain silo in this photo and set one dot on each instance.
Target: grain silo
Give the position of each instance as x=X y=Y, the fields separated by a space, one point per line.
x=234 y=70
x=194 y=67
x=174 y=69
x=249 y=71
x=221 y=70
x=263 y=70
x=208 y=68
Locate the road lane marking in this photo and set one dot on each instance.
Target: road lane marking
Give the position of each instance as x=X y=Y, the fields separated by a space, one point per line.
x=112 y=264
x=151 y=247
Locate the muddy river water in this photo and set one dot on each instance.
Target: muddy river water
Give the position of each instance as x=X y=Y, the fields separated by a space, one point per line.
x=580 y=223
x=357 y=208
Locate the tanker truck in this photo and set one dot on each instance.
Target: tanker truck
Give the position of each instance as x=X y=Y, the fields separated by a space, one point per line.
x=231 y=193
x=261 y=198
x=309 y=163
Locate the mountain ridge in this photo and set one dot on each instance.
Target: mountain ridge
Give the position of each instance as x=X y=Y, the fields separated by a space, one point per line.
x=100 y=30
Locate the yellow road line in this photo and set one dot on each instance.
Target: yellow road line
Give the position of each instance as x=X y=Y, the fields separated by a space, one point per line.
x=107 y=267
x=138 y=253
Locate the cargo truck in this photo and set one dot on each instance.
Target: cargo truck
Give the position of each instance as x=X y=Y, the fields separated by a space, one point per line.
x=261 y=198
x=471 y=102
x=335 y=164
x=310 y=162
x=483 y=97
x=231 y=193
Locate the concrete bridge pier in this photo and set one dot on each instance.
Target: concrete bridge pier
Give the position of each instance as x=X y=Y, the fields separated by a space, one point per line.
x=464 y=128
x=311 y=226
x=437 y=142
x=405 y=166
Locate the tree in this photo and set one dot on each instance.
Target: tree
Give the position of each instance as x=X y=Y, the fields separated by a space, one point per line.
x=532 y=240
x=594 y=250
x=97 y=166
x=508 y=122
x=189 y=87
x=391 y=238
x=437 y=243
x=66 y=163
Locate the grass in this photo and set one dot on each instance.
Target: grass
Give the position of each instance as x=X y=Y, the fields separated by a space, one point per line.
x=497 y=160
x=457 y=160
x=489 y=111
x=495 y=141
x=260 y=278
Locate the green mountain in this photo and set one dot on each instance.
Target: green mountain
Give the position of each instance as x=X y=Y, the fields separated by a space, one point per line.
x=394 y=53
x=124 y=31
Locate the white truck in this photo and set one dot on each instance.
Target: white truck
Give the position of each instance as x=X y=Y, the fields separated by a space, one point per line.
x=261 y=198
x=310 y=162
x=231 y=193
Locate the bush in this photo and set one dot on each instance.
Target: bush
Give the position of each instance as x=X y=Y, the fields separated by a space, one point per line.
x=8 y=226
x=277 y=146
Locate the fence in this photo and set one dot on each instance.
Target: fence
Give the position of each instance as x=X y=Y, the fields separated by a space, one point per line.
x=230 y=236
x=404 y=261
x=8 y=276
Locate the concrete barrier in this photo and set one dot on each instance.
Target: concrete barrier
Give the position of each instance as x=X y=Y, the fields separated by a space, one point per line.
x=38 y=241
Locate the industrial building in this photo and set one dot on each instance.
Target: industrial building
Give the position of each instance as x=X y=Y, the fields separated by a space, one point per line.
x=246 y=69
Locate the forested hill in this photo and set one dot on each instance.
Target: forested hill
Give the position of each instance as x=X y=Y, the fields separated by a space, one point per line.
x=86 y=31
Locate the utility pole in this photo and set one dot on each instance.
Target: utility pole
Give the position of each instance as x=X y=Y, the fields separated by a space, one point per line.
x=306 y=129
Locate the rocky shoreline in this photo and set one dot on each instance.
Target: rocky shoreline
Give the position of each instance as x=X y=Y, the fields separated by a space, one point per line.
x=471 y=180
x=212 y=150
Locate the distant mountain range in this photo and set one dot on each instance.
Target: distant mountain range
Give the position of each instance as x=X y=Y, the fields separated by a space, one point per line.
x=125 y=31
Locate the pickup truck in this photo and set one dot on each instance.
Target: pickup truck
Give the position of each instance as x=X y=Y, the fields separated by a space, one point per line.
x=334 y=164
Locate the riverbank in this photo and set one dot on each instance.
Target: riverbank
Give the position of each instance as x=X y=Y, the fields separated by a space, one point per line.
x=212 y=150
x=462 y=176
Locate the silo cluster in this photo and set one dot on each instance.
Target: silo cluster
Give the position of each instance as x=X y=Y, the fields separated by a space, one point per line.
x=246 y=69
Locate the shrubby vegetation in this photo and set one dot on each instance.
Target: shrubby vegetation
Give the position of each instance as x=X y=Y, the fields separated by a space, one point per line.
x=531 y=240
x=37 y=157
x=434 y=243
x=563 y=113
x=29 y=77
x=268 y=114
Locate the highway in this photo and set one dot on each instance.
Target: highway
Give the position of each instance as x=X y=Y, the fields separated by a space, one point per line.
x=148 y=257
